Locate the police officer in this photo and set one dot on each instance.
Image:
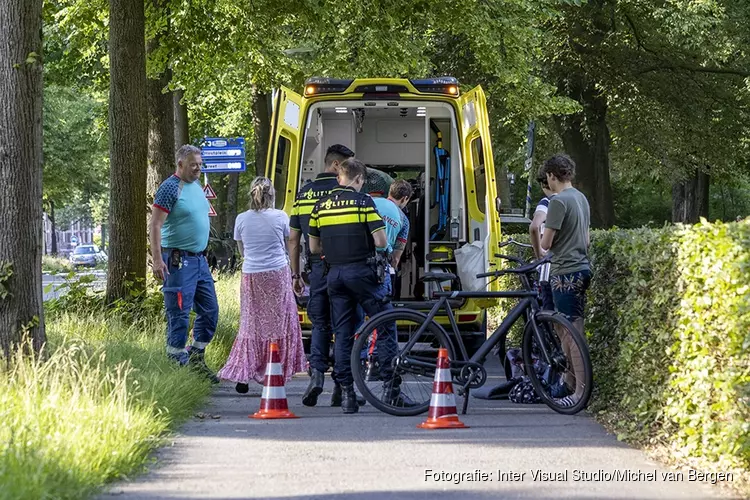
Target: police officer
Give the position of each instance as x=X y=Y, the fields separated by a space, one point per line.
x=318 y=305
x=347 y=228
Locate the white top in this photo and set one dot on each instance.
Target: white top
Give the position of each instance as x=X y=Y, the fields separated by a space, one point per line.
x=263 y=235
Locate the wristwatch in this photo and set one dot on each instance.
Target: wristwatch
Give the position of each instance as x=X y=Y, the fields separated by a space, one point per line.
x=296 y=276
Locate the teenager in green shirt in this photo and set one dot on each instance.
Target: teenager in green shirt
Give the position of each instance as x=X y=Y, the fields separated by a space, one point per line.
x=566 y=238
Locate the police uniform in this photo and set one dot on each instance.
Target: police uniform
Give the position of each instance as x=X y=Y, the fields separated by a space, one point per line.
x=318 y=305
x=344 y=222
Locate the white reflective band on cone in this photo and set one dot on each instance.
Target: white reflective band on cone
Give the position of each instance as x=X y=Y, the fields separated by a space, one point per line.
x=442 y=375
x=442 y=400
x=273 y=393
x=273 y=369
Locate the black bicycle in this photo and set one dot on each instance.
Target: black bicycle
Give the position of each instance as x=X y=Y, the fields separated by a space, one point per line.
x=555 y=355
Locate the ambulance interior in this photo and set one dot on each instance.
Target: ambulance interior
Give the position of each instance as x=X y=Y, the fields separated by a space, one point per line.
x=400 y=139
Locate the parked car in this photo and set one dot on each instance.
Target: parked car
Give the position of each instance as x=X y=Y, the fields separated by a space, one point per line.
x=87 y=255
x=222 y=252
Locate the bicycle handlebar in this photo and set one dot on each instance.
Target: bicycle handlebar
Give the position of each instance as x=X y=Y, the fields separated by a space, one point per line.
x=511 y=241
x=523 y=268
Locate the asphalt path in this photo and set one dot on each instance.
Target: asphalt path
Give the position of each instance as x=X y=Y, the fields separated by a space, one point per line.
x=324 y=454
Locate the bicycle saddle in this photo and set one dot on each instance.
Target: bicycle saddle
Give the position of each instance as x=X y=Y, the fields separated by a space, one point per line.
x=435 y=276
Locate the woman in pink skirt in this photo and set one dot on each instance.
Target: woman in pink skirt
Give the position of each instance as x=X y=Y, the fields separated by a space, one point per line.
x=268 y=310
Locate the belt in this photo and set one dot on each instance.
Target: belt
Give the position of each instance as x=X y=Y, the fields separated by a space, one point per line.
x=189 y=254
x=362 y=262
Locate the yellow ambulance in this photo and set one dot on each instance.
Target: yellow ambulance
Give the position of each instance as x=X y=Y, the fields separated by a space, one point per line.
x=425 y=131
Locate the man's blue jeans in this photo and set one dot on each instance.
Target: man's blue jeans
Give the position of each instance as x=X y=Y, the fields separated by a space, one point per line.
x=189 y=285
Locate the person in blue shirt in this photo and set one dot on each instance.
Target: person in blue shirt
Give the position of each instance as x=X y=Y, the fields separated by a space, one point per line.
x=397 y=234
x=178 y=234
x=396 y=221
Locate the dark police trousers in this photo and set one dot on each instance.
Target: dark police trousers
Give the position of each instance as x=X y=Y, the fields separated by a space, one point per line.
x=319 y=311
x=350 y=285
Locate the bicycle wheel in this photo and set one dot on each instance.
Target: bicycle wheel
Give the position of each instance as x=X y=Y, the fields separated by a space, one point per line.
x=408 y=391
x=565 y=383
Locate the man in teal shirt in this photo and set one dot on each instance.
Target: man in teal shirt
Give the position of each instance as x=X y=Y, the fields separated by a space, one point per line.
x=178 y=235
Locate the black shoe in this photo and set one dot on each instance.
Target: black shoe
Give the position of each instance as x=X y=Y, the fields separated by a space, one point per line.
x=197 y=362
x=310 y=397
x=349 y=399
x=242 y=388
x=373 y=371
x=393 y=395
x=336 y=397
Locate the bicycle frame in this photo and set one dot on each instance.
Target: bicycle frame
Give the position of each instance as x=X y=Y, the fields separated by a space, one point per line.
x=529 y=302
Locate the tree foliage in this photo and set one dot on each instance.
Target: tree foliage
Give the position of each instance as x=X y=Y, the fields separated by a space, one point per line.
x=75 y=152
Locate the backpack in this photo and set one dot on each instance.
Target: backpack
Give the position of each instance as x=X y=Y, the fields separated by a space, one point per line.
x=523 y=391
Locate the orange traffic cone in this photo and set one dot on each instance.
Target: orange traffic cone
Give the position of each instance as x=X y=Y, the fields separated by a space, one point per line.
x=273 y=400
x=443 y=413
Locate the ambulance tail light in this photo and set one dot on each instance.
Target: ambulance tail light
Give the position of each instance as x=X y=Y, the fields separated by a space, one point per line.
x=447 y=85
x=316 y=86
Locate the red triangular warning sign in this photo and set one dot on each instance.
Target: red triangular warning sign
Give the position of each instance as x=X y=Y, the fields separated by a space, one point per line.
x=211 y=211
x=209 y=192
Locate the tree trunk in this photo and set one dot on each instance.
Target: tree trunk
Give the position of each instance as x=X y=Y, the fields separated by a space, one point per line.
x=586 y=139
x=21 y=311
x=233 y=185
x=53 y=225
x=181 y=130
x=690 y=198
x=261 y=128
x=160 y=113
x=161 y=139
x=128 y=145
x=503 y=186
x=219 y=184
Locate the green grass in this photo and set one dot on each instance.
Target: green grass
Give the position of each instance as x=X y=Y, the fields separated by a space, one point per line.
x=100 y=399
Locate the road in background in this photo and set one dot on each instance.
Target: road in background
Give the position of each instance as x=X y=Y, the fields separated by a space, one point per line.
x=53 y=285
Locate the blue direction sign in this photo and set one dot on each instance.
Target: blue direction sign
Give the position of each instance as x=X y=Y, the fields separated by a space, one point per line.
x=223 y=154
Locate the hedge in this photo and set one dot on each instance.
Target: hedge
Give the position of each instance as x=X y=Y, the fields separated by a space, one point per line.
x=668 y=324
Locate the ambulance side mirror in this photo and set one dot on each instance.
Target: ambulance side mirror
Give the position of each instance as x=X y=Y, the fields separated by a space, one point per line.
x=498 y=204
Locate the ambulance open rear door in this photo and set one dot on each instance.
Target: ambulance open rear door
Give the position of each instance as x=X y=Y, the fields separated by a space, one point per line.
x=479 y=172
x=285 y=145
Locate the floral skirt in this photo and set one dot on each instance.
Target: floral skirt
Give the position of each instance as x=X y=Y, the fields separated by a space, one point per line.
x=268 y=312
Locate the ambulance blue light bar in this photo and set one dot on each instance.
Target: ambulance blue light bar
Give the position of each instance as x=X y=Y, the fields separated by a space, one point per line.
x=443 y=85
x=317 y=85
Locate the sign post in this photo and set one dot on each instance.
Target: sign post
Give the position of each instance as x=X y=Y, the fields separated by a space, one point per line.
x=528 y=164
x=221 y=155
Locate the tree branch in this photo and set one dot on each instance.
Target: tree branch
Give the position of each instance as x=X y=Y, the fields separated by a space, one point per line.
x=695 y=69
x=637 y=35
x=669 y=66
